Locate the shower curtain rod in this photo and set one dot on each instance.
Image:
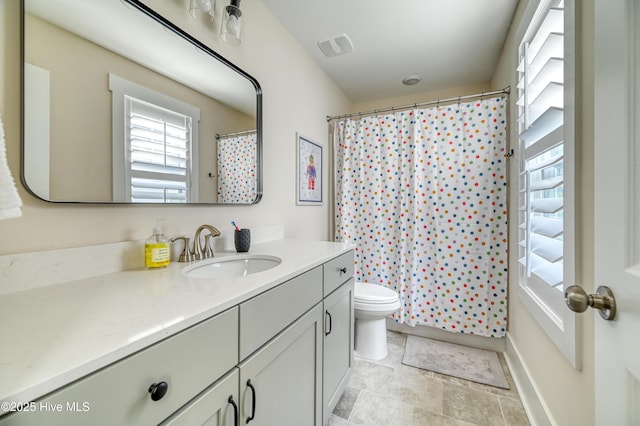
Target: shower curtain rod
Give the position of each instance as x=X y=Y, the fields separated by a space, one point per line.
x=506 y=90
x=244 y=132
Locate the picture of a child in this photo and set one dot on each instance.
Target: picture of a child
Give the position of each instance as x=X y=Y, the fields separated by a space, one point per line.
x=311 y=174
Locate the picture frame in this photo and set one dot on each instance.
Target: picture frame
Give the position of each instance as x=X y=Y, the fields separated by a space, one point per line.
x=309 y=172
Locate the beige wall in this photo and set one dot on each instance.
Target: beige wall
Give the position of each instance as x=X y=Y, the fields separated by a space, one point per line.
x=419 y=97
x=297 y=96
x=567 y=393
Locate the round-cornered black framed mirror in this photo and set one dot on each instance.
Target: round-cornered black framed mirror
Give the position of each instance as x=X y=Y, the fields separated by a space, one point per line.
x=122 y=106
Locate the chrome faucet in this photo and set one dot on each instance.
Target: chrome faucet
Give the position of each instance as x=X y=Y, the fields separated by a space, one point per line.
x=200 y=252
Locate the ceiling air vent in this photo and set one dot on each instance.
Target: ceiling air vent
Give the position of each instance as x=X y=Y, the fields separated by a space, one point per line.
x=338 y=45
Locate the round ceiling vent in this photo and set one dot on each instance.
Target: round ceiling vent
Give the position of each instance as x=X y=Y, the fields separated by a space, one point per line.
x=410 y=80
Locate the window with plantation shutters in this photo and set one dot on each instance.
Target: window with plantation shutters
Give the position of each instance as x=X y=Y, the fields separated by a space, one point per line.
x=154 y=141
x=545 y=185
x=158 y=149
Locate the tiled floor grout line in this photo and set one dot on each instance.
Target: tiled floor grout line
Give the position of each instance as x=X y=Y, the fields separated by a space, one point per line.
x=354 y=405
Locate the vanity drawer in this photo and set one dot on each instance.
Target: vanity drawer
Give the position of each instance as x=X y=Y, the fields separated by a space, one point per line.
x=120 y=393
x=264 y=316
x=337 y=271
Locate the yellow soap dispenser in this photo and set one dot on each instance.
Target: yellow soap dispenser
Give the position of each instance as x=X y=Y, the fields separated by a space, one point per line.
x=157 y=249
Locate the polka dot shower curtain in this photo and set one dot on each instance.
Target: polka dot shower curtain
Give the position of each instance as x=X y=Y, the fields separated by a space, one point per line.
x=237 y=169
x=423 y=195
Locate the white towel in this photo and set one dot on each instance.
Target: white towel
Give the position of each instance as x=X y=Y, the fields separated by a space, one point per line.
x=10 y=202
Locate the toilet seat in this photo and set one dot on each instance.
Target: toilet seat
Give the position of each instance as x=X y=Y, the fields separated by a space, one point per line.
x=374 y=294
x=374 y=298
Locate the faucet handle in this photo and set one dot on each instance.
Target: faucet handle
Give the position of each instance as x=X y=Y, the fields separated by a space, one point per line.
x=186 y=255
x=208 y=250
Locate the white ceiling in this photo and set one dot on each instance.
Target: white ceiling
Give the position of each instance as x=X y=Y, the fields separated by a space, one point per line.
x=450 y=43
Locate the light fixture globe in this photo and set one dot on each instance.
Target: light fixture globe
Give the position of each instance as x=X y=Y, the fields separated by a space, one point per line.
x=204 y=6
x=231 y=23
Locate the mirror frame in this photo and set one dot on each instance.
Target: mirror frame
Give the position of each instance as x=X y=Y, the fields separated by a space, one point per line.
x=137 y=4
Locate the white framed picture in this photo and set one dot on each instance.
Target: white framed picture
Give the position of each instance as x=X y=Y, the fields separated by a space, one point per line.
x=309 y=178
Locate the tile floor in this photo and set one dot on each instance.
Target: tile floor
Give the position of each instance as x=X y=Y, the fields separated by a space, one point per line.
x=387 y=392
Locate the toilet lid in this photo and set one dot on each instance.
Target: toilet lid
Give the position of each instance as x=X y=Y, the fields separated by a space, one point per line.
x=372 y=293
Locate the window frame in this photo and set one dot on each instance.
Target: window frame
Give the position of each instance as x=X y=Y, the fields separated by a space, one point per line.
x=561 y=325
x=121 y=89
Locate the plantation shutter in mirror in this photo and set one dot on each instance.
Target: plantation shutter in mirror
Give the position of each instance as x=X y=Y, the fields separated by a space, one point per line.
x=158 y=151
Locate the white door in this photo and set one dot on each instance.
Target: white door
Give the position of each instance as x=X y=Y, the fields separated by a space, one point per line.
x=617 y=209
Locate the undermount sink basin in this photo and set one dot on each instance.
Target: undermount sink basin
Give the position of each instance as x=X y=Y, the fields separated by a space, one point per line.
x=231 y=267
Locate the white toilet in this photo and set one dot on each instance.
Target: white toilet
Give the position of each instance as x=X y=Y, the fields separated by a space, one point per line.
x=372 y=303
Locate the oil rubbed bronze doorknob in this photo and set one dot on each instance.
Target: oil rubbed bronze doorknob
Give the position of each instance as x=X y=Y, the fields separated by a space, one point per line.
x=603 y=300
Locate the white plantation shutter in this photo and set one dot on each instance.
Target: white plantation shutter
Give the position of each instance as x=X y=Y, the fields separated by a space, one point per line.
x=545 y=191
x=158 y=148
x=154 y=143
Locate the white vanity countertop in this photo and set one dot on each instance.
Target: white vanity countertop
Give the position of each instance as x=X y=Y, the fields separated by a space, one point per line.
x=54 y=335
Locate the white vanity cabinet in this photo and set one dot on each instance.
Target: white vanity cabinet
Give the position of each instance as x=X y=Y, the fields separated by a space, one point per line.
x=339 y=320
x=281 y=357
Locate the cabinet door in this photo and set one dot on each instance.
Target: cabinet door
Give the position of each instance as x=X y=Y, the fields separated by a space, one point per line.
x=216 y=406
x=281 y=383
x=338 y=345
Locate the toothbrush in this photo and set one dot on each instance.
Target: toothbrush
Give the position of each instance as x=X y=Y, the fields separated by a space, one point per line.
x=236 y=226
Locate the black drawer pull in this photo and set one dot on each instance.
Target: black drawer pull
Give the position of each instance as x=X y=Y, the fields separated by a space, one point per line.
x=236 y=420
x=343 y=270
x=253 y=401
x=158 y=390
x=326 y=333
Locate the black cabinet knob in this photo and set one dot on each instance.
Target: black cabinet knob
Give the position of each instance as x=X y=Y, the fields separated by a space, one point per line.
x=343 y=270
x=158 y=390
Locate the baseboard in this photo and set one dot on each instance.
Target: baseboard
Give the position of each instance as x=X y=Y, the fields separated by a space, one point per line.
x=496 y=344
x=529 y=395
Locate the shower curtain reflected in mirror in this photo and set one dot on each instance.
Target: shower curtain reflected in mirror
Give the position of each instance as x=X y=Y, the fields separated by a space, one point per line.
x=423 y=196
x=237 y=163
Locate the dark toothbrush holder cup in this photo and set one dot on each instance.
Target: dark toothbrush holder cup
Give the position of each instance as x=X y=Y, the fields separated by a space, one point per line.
x=242 y=240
